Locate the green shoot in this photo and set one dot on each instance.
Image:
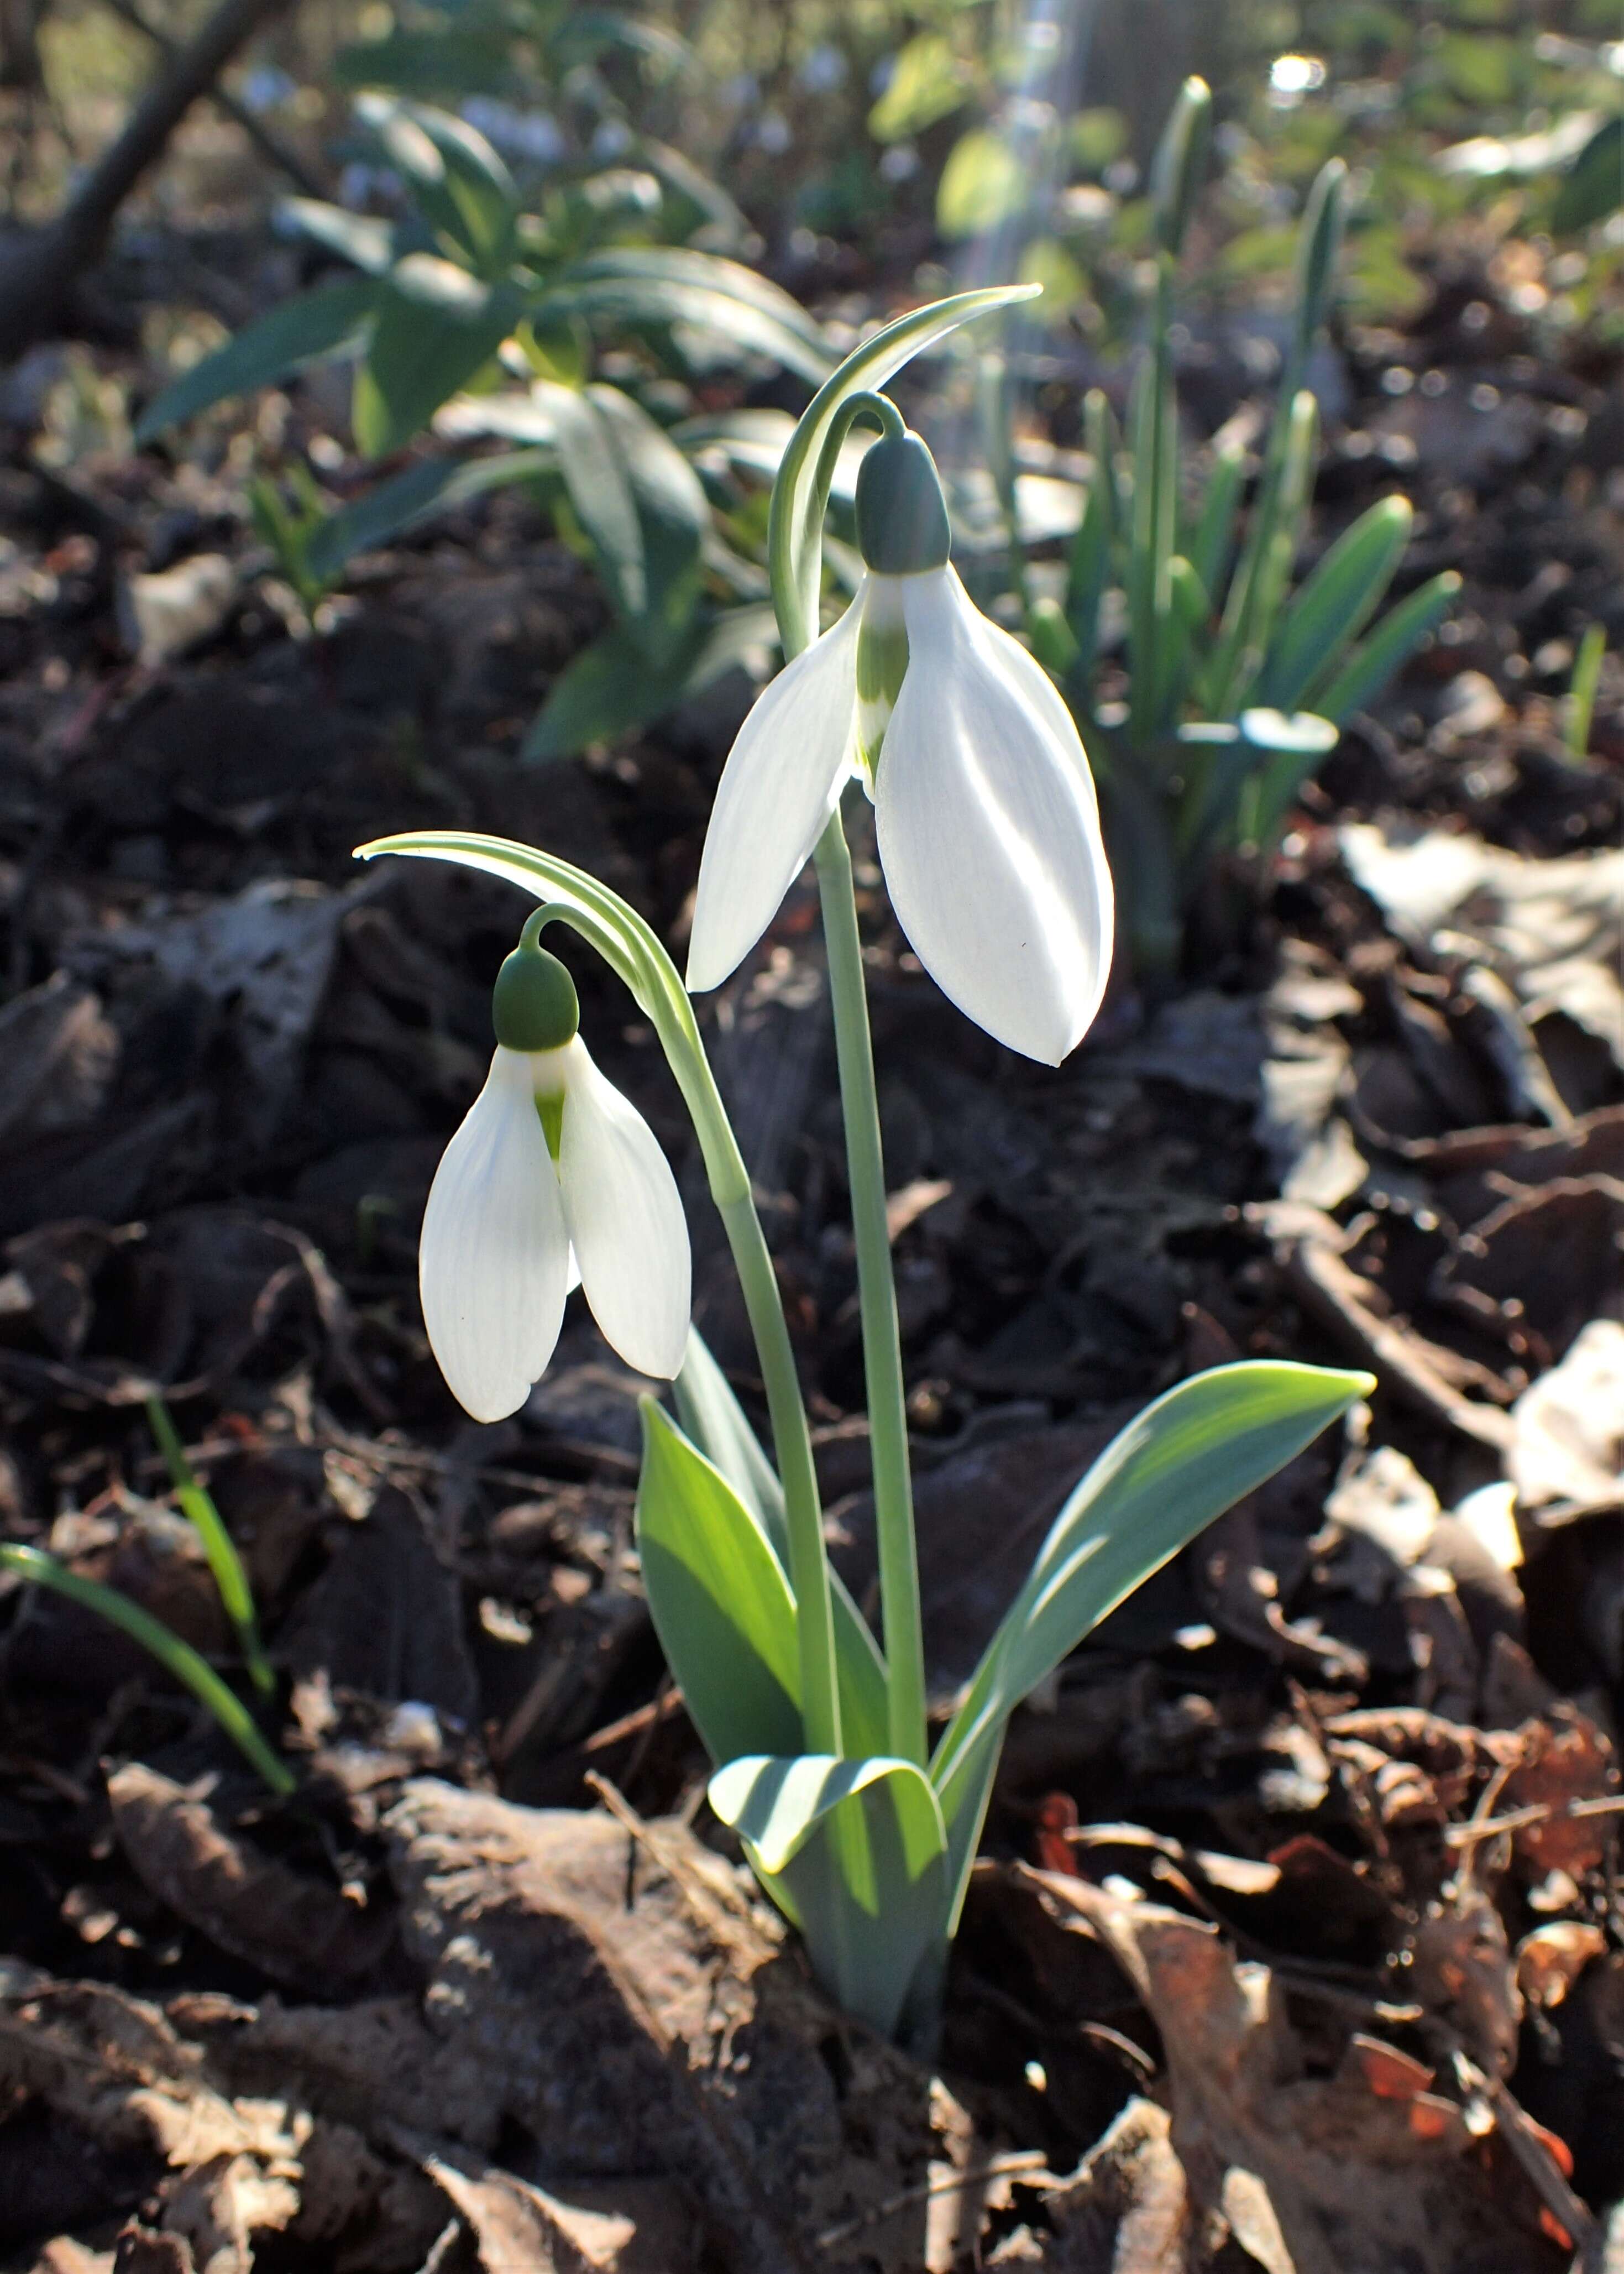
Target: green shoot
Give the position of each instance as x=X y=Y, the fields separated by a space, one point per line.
x=1581 y=691
x=218 y=1546
x=178 y=1658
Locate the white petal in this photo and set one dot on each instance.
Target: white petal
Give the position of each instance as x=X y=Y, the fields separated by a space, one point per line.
x=495 y=1253
x=990 y=830
x=625 y=1221
x=782 y=781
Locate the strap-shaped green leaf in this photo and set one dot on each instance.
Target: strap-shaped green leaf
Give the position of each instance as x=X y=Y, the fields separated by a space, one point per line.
x=1189 y=1456
x=719 y=1601
x=1088 y=571
x=1212 y=540
x=714 y=1420
x=639 y=501
x=435 y=326
x=1389 y=647
x=432 y=486
x=1335 y=603
x=461 y=186
x=854 y=1851
x=613 y=686
x=667 y=287
x=795 y=535
x=363 y=239
x=329 y=321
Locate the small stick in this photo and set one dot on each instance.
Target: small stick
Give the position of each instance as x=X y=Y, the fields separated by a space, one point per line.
x=997 y=2167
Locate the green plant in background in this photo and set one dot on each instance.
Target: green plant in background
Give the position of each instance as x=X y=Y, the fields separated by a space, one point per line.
x=1238 y=683
x=861 y=1829
x=289 y=526
x=1581 y=692
x=482 y=307
x=36 y=1567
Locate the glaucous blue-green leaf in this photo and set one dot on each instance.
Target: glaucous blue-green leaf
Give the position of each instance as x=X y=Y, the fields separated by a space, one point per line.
x=640 y=503
x=720 y=1603
x=461 y=60
x=614 y=687
x=432 y=486
x=331 y=320
x=1593 y=186
x=855 y=1853
x=461 y=186
x=362 y=239
x=435 y=326
x=714 y=1420
x=1361 y=677
x=640 y=286
x=1335 y=603
x=1190 y=1455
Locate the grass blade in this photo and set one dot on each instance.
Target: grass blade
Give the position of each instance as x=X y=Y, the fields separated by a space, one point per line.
x=1581 y=691
x=178 y=1657
x=231 y=1580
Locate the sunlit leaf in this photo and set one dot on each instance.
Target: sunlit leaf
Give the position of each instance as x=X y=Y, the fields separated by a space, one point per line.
x=331 y=320
x=984 y=184
x=436 y=326
x=928 y=79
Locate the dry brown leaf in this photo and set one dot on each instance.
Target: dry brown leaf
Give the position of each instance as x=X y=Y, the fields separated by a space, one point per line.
x=291 y=1927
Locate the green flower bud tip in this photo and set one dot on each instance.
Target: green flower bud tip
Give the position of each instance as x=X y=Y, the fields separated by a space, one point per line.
x=533 y=1005
x=901 y=515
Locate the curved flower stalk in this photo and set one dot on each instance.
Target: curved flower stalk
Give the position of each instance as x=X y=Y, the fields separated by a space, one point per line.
x=551 y=1177
x=987 y=822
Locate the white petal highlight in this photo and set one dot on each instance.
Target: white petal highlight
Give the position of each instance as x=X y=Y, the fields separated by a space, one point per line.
x=781 y=782
x=625 y=1221
x=494 y=1257
x=990 y=829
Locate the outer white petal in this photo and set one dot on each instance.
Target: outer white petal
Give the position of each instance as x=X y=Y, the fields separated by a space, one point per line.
x=990 y=830
x=493 y=1262
x=782 y=780
x=625 y=1221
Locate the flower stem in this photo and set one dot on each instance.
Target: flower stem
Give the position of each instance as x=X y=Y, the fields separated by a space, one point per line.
x=894 y=1492
x=803 y=1516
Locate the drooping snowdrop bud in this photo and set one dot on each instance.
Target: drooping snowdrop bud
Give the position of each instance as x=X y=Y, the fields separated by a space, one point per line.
x=551 y=1164
x=987 y=822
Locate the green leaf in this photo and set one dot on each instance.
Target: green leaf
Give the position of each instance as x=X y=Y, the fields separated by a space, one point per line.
x=714 y=1420
x=1319 y=247
x=1294 y=749
x=1192 y=1454
x=1389 y=647
x=417 y=494
x=1088 y=571
x=1213 y=539
x=611 y=688
x=640 y=503
x=801 y=492
x=1336 y=602
x=1180 y=164
x=636 y=285
x=365 y=242
x=461 y=186
x=984 y=184
x=225 y=1565
x=461 y=60
x=436 y=327
x=718 y=1598
x=855 y=1852
x=178 y=1658
x=928 y=79
x=329 y=321
x=1592 y=188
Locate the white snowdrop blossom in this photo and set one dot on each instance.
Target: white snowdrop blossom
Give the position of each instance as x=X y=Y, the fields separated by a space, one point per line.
x=986 y=813
x=553 y=1175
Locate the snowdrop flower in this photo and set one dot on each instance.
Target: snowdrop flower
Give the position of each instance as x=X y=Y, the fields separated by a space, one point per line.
x=987 y=823
x=553 y=1177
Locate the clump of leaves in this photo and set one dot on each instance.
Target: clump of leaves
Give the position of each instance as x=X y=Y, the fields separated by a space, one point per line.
x=481 y=308
x=1237 y=680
